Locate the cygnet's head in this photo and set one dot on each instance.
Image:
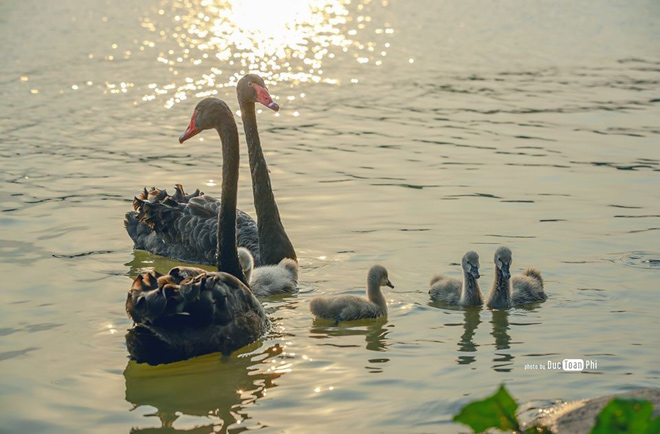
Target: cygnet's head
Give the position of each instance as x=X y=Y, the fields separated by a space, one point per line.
x=378 y=274
x=470 y=264
x=503 y=261
x=291 y=266
x=246 y=260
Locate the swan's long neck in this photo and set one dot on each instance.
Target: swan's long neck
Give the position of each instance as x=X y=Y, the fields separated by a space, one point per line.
x=470 y=293
x=274 y=243
x=374 y=294
x=500 y=294
x=227 y=255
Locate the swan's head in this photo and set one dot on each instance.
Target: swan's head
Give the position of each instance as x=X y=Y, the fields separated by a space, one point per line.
x=470 y=264
x=378 y=274
x=207 y=115
x=252 y=88
x=503 y=261
x=246 y=260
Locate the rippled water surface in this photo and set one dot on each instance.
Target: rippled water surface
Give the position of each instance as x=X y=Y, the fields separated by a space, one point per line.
x=410 y=132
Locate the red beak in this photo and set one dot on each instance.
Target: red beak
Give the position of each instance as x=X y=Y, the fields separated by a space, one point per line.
x=191 y=130
x=264 y=97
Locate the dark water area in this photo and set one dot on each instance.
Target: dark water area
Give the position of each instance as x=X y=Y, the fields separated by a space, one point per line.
x=410 y=133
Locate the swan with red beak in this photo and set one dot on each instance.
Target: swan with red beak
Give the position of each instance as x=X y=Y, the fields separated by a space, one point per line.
x=261 y=96
x=264 y=97
x=180 y=232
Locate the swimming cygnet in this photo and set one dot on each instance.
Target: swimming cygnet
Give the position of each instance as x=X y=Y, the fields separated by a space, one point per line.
x=456 y=293
x=350 y=307
x=523 y=289
x=246 y=260
x=269 y=279
x=500 y=293
x=528 y=287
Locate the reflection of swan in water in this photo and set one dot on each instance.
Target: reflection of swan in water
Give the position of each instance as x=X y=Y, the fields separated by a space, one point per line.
x=376 y=336
x=374 y=331
x=143 y=261
x=503 y=361
x=471 y=320
x=210 y=387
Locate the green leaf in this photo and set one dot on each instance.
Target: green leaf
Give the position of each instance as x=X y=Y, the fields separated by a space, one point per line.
x=654 y=426
x=622 y=416
x=497 y=411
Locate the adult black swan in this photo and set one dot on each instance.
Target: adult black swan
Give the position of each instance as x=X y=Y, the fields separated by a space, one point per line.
x=189 y=311
x=183 y=226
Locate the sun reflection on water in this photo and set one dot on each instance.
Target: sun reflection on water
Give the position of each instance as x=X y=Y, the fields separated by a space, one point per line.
x=218 y=41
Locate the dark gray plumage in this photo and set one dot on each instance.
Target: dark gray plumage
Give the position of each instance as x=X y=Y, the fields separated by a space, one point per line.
x=210 y=312
x=190 y=311
x=184 y=227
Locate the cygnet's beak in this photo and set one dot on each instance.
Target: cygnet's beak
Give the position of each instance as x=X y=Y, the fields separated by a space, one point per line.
x=264 y=97
x=389 y=283
x=505 y=271
x=475 y=273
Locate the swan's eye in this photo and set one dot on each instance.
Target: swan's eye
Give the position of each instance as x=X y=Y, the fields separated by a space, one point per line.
x=250 y=84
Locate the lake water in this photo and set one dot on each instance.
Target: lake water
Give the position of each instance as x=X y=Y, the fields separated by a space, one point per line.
x=410 y=132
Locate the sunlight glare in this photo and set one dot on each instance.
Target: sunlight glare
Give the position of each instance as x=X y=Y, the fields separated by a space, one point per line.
x=283 y=41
